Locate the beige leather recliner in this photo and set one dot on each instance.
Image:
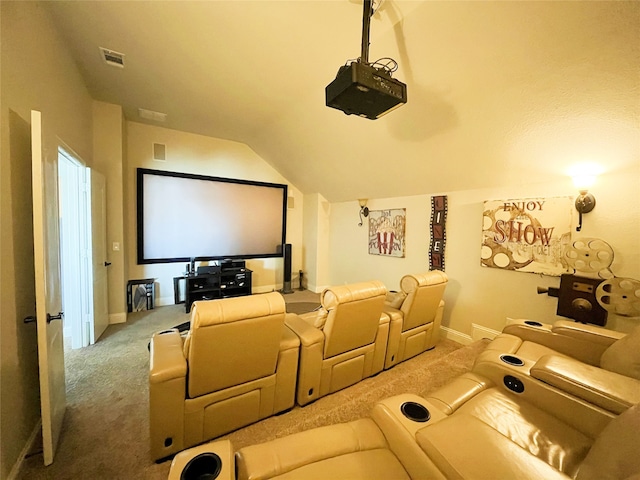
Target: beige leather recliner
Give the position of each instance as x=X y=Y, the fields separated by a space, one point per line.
x=595 y=364
x=343 y=342
x=476 y=430
x=415 y=315
x=237 y=365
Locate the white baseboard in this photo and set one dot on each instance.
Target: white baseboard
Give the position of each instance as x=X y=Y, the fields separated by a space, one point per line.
x=454 y=335
x=13 y=474
x=117 y=318
x=163 y=301
x=317 y=288
x=478 y=332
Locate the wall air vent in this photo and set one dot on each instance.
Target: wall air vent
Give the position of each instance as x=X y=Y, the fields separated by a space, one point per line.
x=112 y=57
x=151 y=115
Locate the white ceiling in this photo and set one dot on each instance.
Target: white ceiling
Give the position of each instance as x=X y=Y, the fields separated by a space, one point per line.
x=491 y=85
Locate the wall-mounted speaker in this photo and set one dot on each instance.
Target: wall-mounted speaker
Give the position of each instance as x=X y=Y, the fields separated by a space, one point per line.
x=286 y=288
x=159 y=152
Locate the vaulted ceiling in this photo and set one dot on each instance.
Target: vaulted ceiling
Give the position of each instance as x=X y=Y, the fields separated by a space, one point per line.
x=497 y=91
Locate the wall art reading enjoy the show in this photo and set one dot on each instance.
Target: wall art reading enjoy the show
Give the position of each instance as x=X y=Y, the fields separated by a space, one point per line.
x=526 y=235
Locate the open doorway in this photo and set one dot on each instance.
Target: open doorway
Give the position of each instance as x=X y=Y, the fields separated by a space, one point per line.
x=74 y=242
x=82 y=199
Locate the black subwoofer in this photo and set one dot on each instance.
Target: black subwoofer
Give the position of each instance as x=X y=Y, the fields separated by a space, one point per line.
x=286 y=287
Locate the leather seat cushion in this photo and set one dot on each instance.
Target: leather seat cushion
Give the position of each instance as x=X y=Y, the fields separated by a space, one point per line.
x=462 y=446
x=368 y=465
x=357 y=447
x=534 y=430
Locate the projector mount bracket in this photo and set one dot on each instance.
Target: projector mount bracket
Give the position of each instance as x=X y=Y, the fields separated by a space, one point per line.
x=367 y=12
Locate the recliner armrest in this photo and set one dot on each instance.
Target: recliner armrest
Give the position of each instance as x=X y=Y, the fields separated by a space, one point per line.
x=289 y=338
x=167 y=387
x=308 y=334
x=166 y=361
x=310 y=364
x=456 y=393
x=591 y=333
x=583 y=342
x=600 y=387
x=394 y=299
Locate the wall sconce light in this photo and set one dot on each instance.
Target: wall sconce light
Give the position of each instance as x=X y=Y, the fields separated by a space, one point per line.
x=585 y=201
x=364 y=210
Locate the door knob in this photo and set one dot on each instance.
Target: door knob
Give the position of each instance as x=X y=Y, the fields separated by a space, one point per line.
x=59 y=316
x=30 y=319
x=106 y=264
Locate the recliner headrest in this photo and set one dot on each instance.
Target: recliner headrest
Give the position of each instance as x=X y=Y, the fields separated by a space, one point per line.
x=409 y=283
x=333 y=296
x=213 y=312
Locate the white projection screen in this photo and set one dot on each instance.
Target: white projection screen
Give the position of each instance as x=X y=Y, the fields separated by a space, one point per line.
x=183 y=216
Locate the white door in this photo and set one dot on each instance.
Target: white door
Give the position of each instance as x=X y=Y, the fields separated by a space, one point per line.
x=98 y=235
x=46 y=246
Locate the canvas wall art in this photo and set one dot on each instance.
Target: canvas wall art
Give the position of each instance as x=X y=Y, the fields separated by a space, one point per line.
x=526 y=235
x=438 y=233
x=387 y=232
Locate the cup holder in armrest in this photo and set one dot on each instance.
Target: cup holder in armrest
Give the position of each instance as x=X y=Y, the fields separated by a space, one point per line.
x=414 y=411
x=206 y=466
x=511 y=360
x=531 y=323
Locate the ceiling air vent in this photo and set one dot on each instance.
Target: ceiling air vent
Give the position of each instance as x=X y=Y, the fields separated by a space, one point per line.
x=151 y=115
x=112 y=57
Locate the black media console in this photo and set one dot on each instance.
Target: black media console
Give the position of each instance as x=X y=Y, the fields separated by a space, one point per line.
x=229 y=279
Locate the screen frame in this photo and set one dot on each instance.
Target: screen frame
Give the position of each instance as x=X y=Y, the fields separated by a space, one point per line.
x=141 y=172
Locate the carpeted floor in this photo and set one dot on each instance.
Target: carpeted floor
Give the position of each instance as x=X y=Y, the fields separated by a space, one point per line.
x=105 y=432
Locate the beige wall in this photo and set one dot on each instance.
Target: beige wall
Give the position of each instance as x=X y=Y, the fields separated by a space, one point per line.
x=483 y=296
x=37 y=73
x=317 y=211
x=108 y=147
x=191 y=153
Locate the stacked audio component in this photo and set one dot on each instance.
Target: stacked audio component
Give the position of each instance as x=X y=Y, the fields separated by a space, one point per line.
x=229 y=279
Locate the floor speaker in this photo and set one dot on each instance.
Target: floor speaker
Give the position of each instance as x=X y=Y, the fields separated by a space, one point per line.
x=286 y=288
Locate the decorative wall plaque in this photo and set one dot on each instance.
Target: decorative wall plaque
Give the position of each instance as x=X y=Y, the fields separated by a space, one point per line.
x=526 y=235
x=438 y=233
x=387 y=232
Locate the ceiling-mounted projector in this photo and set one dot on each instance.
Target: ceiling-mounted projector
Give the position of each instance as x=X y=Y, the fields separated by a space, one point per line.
x=366 y=89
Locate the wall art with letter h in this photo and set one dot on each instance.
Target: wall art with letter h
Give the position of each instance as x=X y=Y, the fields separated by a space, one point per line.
x=387 y=232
